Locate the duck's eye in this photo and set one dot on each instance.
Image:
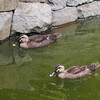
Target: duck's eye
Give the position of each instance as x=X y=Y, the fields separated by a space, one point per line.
x=21 y=37
x=58 y=68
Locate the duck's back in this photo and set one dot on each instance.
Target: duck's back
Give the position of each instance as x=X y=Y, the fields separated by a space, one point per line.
x=38 y=45
x=38 y=38
x=76 y=69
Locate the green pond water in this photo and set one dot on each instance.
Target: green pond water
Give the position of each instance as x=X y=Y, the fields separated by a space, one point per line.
x=24 y=74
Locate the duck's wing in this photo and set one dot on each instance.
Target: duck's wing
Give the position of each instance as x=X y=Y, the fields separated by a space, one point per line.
x=37 y=38
x=76 y=69
x=33 y=44
x=40 y=38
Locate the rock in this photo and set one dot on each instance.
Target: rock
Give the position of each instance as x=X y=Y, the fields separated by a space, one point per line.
x=77 y=2
x=31 y=17
x=58 y=4
x=5 y=24
x=87 y=10
x=42 y=1
x=68 y=14
x=7 y=5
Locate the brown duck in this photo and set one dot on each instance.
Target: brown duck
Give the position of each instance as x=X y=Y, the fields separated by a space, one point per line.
x=37 y=41
x=75 y=72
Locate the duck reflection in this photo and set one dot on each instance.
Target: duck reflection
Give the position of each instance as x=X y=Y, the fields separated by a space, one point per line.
x=10 y=55
x=47 y=90
x=21 y=56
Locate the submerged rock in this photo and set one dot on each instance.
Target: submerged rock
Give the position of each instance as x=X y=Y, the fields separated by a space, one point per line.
x=5 y=24
x=31 y=17
x=7 y=5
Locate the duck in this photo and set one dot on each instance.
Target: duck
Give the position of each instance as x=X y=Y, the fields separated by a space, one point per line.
x=74 y=72
x=37 y=41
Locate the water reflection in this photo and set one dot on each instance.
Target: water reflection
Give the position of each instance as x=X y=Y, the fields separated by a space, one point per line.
x=21 y=56
x=48 y=91
x=9 y=55
x=6 y=55
x=24 y=74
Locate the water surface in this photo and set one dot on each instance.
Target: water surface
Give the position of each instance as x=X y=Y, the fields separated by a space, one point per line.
x=24 y=74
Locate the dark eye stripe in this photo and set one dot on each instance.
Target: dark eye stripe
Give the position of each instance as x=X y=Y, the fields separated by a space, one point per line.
x=21 y=37
x=58 y=68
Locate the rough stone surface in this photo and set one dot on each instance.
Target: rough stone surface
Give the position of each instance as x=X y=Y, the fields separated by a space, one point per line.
x=7 y=5
x=68 y=14
x=77 y=2
x=58 y=4
x=87 y=10
x=5 y=24
x=31 y=17
x=43 y=1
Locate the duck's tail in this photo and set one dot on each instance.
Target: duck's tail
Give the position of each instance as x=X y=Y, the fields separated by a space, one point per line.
x=57 y=35
x=54 y=36
x=97 y=64
x=93 y=66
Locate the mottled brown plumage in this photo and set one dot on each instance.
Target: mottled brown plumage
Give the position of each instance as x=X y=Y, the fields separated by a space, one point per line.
x=75 y=72
x=37 y=41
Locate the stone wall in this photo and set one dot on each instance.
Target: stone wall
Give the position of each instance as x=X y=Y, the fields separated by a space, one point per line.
x=27 y=16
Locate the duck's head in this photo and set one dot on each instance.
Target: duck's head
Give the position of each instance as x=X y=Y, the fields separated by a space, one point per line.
x=59 y=69
x=24 y=39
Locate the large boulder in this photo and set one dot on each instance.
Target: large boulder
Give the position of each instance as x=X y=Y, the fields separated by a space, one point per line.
x=58 y=4
x=5 y=24
x=43 y=1
x=7 y=5
x=68 y=14
x=77 y=2
x=31 y=17
x=88 y=10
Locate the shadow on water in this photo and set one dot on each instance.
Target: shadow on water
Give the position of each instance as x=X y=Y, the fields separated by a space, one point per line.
x=24 y=74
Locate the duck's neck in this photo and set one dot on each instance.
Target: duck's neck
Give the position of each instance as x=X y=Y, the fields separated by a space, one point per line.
x=61 y=75
x=24 y=45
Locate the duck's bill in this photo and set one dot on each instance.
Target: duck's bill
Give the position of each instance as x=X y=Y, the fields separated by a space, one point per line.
x=15 y=44
x=52 y=74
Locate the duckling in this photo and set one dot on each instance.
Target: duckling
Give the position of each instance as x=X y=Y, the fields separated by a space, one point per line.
x=37 y=41
x=74 y=72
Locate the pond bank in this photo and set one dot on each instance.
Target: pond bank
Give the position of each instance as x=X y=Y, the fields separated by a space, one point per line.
x=25 y=16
